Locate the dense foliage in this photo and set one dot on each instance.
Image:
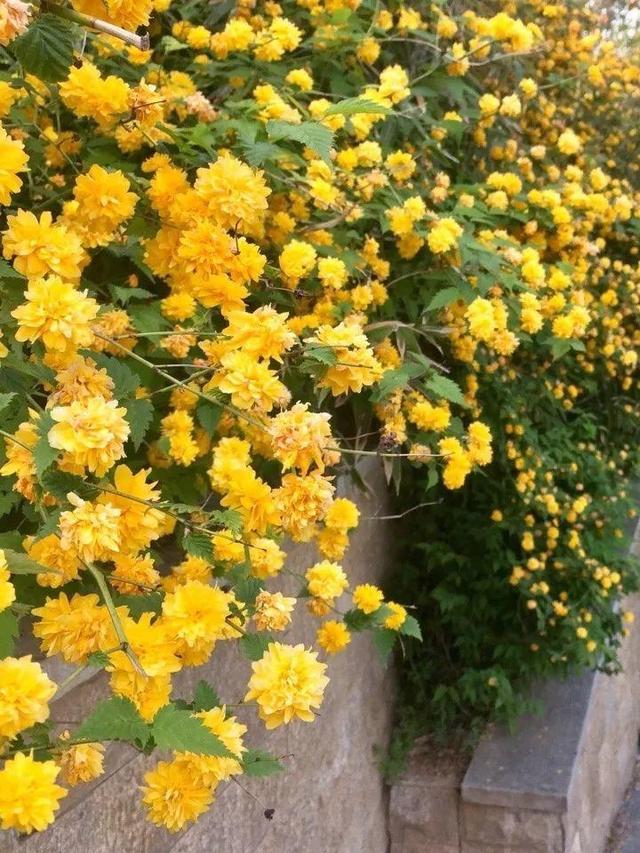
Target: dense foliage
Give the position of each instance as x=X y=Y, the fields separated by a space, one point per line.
x=243 y=250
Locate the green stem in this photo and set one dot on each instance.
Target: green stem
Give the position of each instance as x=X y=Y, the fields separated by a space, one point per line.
x=115 y=619
x=141 y=42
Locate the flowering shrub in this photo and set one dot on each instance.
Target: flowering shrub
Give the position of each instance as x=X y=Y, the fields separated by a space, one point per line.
x=237 y=248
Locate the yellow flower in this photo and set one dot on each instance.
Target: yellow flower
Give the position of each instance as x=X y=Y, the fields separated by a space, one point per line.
x=49 y=552
x=343 y=514
x=90 y=530
x=333 y=636
x=568 y=142
x=174 y=795
x=138 y=524
x=7 y=592
x=102 y=202
x=28 y=793
x=81 y=762
x=479 y=448
x=396 y=619
x=74 y=628
x=14 y=20
x=367 y=597
x=233 y=194
x=134 y=575
x=301 y=439
x=254 y=499
x=12 y=160
x=297 y=260
x=57 y=314
x=288 y=682
x=273 y=611
x=457 y=463
x=41 y=248
x=25 y=692
x=250 y=383
x=213 y=769
x=444 y=235
x=92 y=433
x=301 y=502
x=195 y=611
x=355 y=364
x=326 y=580
x=20 y=458
x=481 y=318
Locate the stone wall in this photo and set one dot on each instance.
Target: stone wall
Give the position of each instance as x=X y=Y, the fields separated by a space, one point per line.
x=553 y=786
x=330 y=800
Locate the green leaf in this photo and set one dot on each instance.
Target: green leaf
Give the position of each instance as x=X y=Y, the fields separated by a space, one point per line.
x=256 y=762
x=43 y=454
x=125 y=381
x=205 y=697
x=229 y=518
x=391 y=380
x=20 y=564
x=146 y=602
x=208 y=415
x=322 y=354
x=384 y=641
x=8 y=272
x=139 y=416
x=198 y=544
x=254 y=646
x=8 y=632
x=126 y=294
x=443 y=298
x=114 y=719
x=6 y=400
x=177 y=729
x=46 y=48
x=442 y=386
x=60 y=483
x=98 y=660
x=310 y=133
x=352 y=106
x=411 y=628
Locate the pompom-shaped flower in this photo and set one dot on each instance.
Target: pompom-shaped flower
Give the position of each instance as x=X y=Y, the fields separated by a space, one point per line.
x=273 y=611
x=25 y=692
x=301 y=438
x=326 y=580
x=355 y=364
x=444 y=235
x=174 y=795
x=139 y=523
x=57 y=314
x=102 y=202
x=302 y=502
x=92 y=433
x=333 y=636
x=14 y=20
x=129 y=14
x=7 y=592
x=195 y=611
x=367 y=597
x=288 y=682
x=28 y=793
x=74 y=627
x=90 y=530
x=297 y=260
x=250 y=383
x=233 y=194
x=49 y=552
x=40 y=247
x=81 y=762
x=12 y=160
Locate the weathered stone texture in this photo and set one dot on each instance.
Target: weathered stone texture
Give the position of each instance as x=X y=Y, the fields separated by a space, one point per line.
x=331 y=799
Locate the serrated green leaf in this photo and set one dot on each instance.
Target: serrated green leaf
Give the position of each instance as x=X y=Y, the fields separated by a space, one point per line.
x=98 y=660
x=229 y=518
x=146 y=602
x=352 y=106
x=411 y=628
x=208 y=415
x=384 y=641
x=46 y=48
x=177 y=729
x=43 y=454
x=443 y=298
x=205 y=697
x=8 y=272
x=256 y=762
x=8 y=502
x=114 y=719
x=8 y=633
x=198 y=544
x=6 y=400
x=139 y=416
x=20 y=564
x=391 y=380
x=310 y=133
x=443 y=387
x=321 y=354
x=125 y=381
x=60 y=483
x=125 y=294
x=254 y=646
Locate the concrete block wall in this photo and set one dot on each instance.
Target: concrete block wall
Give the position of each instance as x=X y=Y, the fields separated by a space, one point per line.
x=331 y=799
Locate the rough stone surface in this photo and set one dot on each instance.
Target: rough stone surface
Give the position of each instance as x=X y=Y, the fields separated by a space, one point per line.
x=330 y=800
x=528 y=829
